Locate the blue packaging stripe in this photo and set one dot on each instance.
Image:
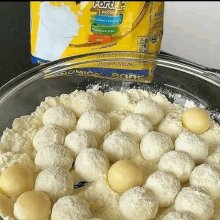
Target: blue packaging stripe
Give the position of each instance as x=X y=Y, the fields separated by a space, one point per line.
x=36 y=60
x=107 y=20
x=109 y=72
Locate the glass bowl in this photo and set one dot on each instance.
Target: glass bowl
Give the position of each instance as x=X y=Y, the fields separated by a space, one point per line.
x=178 y=79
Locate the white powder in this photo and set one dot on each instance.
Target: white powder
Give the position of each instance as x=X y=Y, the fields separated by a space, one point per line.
x=117 y=106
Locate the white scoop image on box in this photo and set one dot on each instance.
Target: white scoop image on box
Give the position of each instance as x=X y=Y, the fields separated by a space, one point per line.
x=58 y=26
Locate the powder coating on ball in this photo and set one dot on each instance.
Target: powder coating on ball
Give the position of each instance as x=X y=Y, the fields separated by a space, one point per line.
x=193 y=145
x=178 y=216
x=179 y=163
x=71 y=208
x=55 y=181
x=79 y=140
x=138 y=203
x=195 y=201
x=61 y=117
x=165 y=187
x=154 y=144
x=48 y=135
x=53 y=156
x=206 y=177
x=150 y=109
x=91 y=164
x=137 y=125
x=120 y=146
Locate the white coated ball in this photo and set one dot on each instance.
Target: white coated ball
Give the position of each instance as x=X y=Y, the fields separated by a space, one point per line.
x=193 y=145
x=138 y=203
x=154 y=144
x=206 y=177
x=82 y=101
x=61 y=117
x=137 y=125
x=79 y=140
x=214 y=159
x=91 y=164
x=71 y=208
x=150 y=109
x=119 y=145
x=48 y=135
x=55 y=181
x=53 y=156
x=179 y=216
x=165 y=187
x=95 y=121
x=179 y=163
x=195 y=201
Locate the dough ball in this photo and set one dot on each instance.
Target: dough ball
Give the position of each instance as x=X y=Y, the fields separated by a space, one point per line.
x=179 y=163
x=32 y=205
x=195 y=201
x=55 y=181
x=171 y=124
x=95 y=121
x=61 y=117
x=54 y=156
x=214 y=159
x=165 y=187
x=150 y=109
x=138 y=203
x=48 y=135
x=124 y=175
x=193 y=145
x=15 y=180
x=206 y=177
x=71 y=208
x=79 y=140
x=120 y=146
x=136 y=124
x=178 y=216
x=196 y=120
x=91 y=164
x=154 y=144
x=83 y=101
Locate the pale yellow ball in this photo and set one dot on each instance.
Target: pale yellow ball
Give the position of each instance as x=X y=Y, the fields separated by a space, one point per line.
x=124 y=175
x=32 y=205
x=196 y=120
x=15 y=180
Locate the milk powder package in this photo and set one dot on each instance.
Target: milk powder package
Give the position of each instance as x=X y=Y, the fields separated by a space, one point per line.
x=104 y=29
